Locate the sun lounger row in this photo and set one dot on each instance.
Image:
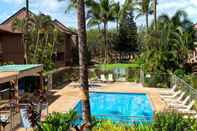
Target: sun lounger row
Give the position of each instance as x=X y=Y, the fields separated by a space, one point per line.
x=110 y=78
x=177 y=100
x=106 y=79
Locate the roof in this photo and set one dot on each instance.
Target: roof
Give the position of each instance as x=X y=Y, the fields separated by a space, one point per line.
x=63 y=28
x=22 y=13
x=7 y=76
x=18 y=68
x=14 y=15
x=22 y=70
x=5 y=31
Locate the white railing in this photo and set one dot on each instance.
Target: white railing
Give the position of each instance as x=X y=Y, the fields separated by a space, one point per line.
x=181 y=84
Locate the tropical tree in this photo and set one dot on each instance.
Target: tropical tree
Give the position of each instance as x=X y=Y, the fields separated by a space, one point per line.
x=178 y=19
x=125 y=42
x=120 y=11
x=117 y=12
x=83 y=62
x=43 y=39
x=155 y=13
x=102 y=12
x=166 y=49
x=144 y=9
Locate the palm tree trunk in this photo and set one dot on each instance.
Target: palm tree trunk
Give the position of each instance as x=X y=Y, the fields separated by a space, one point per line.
x=36 y=47
x=105 y=42
x=155 y=13
x=147 y=21
x=83 y=62
x=117 y=25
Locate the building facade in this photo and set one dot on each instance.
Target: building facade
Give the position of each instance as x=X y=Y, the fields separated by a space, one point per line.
x=11 y=42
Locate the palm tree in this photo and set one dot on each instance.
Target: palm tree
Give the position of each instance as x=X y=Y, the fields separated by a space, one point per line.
x=178 y=19
x=117 y=11
x=155 y=13
x=121 y=11
x=144 y=9
x=83 y=61
x=103 y=13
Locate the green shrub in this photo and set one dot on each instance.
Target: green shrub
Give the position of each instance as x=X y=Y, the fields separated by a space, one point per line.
x=194 y=81
x=118 y=65
x=58 y=122
x=168 y=121
x=179 y=72
x=110 y=126
x=173 y=121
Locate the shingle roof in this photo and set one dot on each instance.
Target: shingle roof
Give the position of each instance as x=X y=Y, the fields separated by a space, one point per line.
x=21 y=14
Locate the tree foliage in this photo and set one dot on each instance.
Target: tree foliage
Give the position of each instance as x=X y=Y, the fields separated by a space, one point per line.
x=43 y=39
x=126 y=39
x=166 y=49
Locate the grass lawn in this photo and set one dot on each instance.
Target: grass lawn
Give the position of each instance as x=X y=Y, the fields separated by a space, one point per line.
x=118 y=65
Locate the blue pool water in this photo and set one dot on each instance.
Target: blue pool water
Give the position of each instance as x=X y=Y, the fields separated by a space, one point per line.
x=119 y=107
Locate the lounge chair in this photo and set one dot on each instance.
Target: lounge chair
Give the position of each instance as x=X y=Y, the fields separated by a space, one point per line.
x=187 y=109
x=169 y=92
x=24 y=118
x=189 y=116
x=4 y=118
x=171 y=96
x=103 y=78
x=110 y=78
x=179 y=104
x=175 y=100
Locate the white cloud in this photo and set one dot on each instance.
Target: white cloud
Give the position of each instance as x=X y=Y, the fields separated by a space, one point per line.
x=18 y=2
x=194 y=2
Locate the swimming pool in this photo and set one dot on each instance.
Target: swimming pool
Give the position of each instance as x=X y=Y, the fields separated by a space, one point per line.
x=119 y=107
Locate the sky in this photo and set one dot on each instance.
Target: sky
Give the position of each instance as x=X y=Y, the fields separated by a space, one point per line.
x=56 y=9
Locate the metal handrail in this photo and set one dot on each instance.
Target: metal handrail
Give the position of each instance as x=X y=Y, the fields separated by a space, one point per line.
x=188 y=85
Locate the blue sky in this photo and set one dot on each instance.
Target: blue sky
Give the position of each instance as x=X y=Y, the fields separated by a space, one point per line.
x=56 y=9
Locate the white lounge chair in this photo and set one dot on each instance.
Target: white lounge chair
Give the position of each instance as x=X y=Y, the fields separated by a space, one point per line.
x=171 y=96
x=103 y=78
x=24 y=118
x=110 y=78
x=179 y=104
x=169 y=92
x=188 y=108
x=189 y=116
x=169 y=101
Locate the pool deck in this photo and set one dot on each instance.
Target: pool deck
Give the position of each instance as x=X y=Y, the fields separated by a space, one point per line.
x=68 y=96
